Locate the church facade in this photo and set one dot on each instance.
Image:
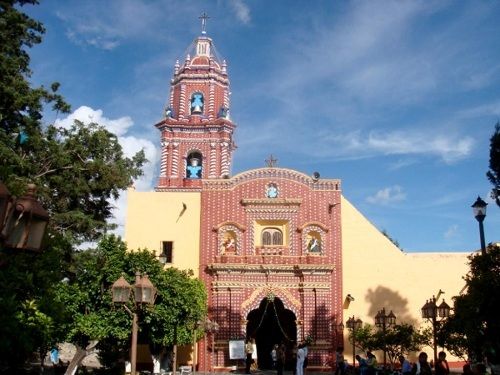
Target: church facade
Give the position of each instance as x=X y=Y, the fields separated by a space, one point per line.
x=283 y=255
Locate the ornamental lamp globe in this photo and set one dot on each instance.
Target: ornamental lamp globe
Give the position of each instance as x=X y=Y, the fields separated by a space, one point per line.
x=120 y=290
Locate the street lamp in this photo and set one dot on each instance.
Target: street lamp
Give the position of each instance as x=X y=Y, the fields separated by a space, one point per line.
x=209 y=327
x=338 y=329
x=353 y=325
x=22 y=220
x=144 y=293
x=384 y=321
x=479 y=210
x=431 y=311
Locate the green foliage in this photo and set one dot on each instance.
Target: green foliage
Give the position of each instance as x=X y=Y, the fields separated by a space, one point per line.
x=29 y=313
x=180 y=302
x=20 y=104
x=395 y=242
x=397 y=340
x=474 y=328
x=494 y=172
x=77 y=171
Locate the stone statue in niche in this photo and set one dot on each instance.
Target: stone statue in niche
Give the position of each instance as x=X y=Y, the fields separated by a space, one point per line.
x=228 y=245
x=314 y=245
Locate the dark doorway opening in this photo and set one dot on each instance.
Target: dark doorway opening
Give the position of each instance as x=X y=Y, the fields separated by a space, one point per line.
x=269 y=325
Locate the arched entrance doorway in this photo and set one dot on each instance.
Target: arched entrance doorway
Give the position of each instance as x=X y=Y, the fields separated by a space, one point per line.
x=272 y=324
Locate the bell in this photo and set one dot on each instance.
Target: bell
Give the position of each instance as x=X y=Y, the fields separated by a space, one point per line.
x=197 y=109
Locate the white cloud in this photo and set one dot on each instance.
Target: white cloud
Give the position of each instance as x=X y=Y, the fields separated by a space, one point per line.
x=449 y=148
x=357 y=145
x=88 y=115
x=241 y=9
x=107 y=24
x=131 y=144
x=387 y=196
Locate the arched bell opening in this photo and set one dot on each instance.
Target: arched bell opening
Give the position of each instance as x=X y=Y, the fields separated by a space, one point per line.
x=194 y=165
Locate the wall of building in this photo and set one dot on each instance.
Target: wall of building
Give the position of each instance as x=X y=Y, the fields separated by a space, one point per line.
x=378 y=274
x=153 y=217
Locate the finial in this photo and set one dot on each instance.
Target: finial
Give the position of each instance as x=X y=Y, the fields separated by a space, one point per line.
x=204 y=17
x=271 y=162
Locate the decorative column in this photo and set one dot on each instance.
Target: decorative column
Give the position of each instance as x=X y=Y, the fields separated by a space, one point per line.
x=164 y=158
x=182 y=104
x=175 y=159
x=213 y=160
x=224 y=159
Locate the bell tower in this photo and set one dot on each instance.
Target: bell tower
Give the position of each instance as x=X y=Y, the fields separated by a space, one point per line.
x=196 y=131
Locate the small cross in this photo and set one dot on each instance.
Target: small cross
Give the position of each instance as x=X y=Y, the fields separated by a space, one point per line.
x=271 y=162
x=204 y=17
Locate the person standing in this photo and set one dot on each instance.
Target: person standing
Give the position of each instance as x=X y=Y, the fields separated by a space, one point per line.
x=300 y=360
x=371 y=363
x=249 y=352
x=274 y=356
x=422 y=367
x=339 y=361
x=280 y=363
x=405 y=365
x=362 y=364
x=442 y=367
x=306 y=353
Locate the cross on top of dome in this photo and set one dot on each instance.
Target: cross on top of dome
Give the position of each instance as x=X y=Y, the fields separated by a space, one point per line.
x=204 y=17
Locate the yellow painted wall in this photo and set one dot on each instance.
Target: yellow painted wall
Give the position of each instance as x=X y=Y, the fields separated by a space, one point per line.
x=153 y=217
x=377 y=274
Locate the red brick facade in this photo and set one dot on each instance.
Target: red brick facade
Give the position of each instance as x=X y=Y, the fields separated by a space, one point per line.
x=308 y=283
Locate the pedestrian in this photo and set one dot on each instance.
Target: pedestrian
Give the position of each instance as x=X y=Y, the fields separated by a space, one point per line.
x=255 y=365
x=54 y=356
x=441 y=367
x=248 y=351
x=405 y=365
x=300 y=360
x=306 y=353
x=371 y=363
x=280 y=363
x=339 y=361
x=363 y=367
x=274 y=355
x=422 y=367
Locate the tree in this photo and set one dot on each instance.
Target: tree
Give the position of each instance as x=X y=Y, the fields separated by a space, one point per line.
x=474 y=328
x=180 y=303
x=494 y=173
x=399 y=339
x=77 y=171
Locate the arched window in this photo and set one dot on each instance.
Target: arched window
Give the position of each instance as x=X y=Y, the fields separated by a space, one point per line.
x=197 y=103
x=194 y=165
x=272 y=237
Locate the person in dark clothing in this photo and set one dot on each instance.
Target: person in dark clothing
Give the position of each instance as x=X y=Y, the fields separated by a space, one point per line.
x=441 y=367
x=249 y=360
x=422 y=367
x=281 y=357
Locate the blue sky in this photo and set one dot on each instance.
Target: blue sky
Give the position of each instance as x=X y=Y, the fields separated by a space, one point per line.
x=396 y=98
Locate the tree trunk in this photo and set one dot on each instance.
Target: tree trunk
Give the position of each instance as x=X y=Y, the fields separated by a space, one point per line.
x=79 y=357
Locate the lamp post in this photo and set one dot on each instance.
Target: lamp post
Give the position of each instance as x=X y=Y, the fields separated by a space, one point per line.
x=384 y=321
x=144 y=293
x=209 y=327
x=353 y=325
x=338 y=329
x=431 y=311
x=22 y=221
x=479 y=210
